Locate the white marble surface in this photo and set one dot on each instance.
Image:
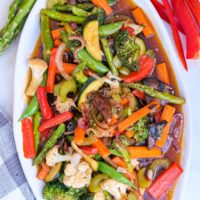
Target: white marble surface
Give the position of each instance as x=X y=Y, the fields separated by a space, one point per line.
x=192 y=79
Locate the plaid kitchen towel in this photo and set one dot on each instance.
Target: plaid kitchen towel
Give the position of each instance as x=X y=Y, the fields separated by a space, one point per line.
x=13 y=184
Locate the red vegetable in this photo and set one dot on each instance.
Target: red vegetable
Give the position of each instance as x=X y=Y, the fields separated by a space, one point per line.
x=28 y=138
x=162 y=12
x=194 y=6
x=89 y=150
x=128 y=28
x=51 y=71
x=176 y=36
x=139 y=94
x=55 y=121
x=146 y=65
x=190 y=27
x=165 y=181
x=45 y=108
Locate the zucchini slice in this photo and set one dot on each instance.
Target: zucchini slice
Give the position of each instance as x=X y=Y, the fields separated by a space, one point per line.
x=91 y=37
x=141 y=44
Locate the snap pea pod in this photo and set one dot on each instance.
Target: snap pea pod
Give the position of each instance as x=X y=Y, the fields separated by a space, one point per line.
x=36 y=123
x=109 y=56
x=33 y=106
x=47 y=40
x=79 y=12
x=63 y=17
x=109 y=29
x=68 y=7
x=49 y=143
x=157 y=94
x=112 y=173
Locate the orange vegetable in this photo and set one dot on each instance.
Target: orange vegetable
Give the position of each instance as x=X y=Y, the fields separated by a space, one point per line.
x=43 y=171
x=79 y=135
x=124 y=101
x=114 y=120
x=57 y=43
x=102 y=148
x=103 y=4
x=56 y=33
x=167 y=115
x=68 y=67
x=162 y=73
x=129 y=134
x=138 y=115
x=144 y=152
x=119 y=162
x=141 y=19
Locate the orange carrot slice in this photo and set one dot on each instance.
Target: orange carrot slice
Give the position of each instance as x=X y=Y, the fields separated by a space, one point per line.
x=162 y=73
x=79 y=135
x=102 y=148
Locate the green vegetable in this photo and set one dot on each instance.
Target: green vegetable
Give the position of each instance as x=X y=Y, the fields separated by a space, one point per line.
x=143 y=181
x=110 y=29
x=127 y=50
x=108 y=196
x=33 y=107
x=141 y=45
x=47 y=40
x=124 y=71
x=50 y=3
x=112 y=173
x=50 y=143
x=115 y=152
x=88 y=196
x=124 y=140
x=95 y=185
x=132 y=196
x=59 y=191
x=78 y=73
x=100 y=13
x=36 y=123
x=63 y=88
x=68 y=7
x=53 y=172
x=79 y=12
x=63 y=17
x=94 y=86
x=12 y=29
x=140 y=130
x=156 y=94
x=109 y=56
x=159 y=163
x=112 y=2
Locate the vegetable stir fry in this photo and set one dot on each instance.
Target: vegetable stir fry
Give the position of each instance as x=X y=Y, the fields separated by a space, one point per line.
x=104 y=120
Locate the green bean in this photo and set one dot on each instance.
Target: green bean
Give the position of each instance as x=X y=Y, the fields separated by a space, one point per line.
x=36 y=123
x=109 y=29
x=63 y=17
x=47 y=40
x=49 y=143
x=33 y=106
x=109 y=56
x=157 y=94
x=113 y=173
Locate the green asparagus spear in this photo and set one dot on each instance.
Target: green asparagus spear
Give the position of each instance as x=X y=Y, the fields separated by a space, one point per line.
x=51 y=3
x=157 y=94
x=11 y=29
x=63 y=17
x=47 y=40
x=11 y=14
x=49 y=143
x=36 y=123
x=68 y=7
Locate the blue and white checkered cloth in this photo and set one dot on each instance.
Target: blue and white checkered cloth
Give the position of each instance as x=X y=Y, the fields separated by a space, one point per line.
x=13 y=184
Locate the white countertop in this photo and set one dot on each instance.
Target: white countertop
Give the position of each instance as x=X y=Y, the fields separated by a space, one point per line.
x=192 y=79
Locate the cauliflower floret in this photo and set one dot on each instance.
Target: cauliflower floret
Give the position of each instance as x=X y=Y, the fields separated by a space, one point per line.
x=64 y=106
x=77 y=176
x=116 y=189
x=53 y=157
x=99 y=196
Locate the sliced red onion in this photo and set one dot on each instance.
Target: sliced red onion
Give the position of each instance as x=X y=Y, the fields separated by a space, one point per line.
x=122 y=170
x=73 y=25
x=79 y=48
x=59 y=61
x=83 y=123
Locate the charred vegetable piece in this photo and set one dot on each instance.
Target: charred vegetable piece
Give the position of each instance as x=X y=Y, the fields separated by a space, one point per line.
x=50 y=143
x=53 y=172
x=143 y=181
x=157 y=94
x=95 y=185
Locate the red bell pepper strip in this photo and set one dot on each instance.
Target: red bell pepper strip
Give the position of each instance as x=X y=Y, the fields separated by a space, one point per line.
x=126 y=26
x=28 y=139
x=163 y=14
x=138 y=94
x=89 y=150
x=51 y=71
x=190 y=27
x=165 y=181
x=55 y=121
x=146 y=65
x=176 y=35
x=194 y=6
x=45 y=108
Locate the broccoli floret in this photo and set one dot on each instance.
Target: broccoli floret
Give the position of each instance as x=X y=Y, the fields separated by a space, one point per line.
x=124 y=140
x=101 y=15
x=59 y=191
x=127 y=51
